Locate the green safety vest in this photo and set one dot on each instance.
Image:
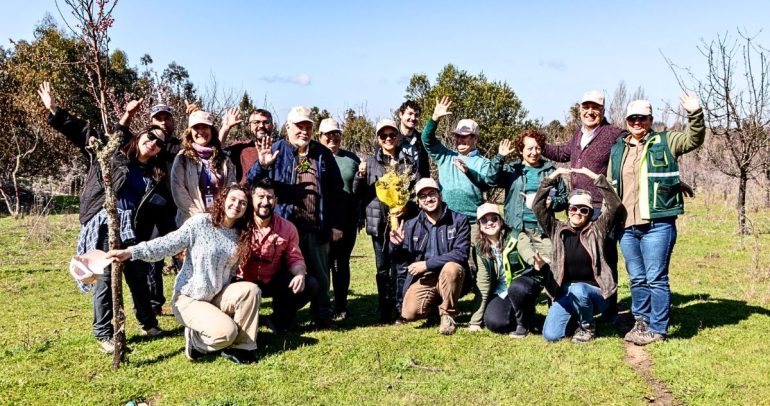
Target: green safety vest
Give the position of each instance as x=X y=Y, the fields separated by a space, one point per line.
x=658 y=177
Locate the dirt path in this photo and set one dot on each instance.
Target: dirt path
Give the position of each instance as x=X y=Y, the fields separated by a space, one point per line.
x=639 y=359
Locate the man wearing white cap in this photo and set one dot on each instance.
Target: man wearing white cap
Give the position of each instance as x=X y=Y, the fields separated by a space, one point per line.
x=435 y=244
x=309 y=187
x=339 y=251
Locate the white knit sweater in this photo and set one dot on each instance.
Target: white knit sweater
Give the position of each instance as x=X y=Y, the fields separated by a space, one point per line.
x=210 y=260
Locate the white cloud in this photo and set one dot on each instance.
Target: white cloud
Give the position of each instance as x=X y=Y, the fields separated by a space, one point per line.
x=302 y=79
x=555 y=64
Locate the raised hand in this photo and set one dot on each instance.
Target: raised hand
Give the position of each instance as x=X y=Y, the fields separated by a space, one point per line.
x=265 y=154
x=362 y=168
x=397 y=235
x=689 y=102
x=442 y=108
x=539 y=262
x=46 y=95
x=505 y=148
x=460 y=164
x=133 y=105
x=232 y=118
x=587 y=172
x=190 y=107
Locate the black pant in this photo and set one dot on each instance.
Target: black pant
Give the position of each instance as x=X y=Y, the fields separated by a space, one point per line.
x=339 y=264
x=286 y=303
x=517 y=309
x=135 y=275
x=390 y=280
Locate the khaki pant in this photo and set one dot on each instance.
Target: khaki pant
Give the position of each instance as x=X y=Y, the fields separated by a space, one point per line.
x=530 y=242
x=428 y=290
x=229 y=320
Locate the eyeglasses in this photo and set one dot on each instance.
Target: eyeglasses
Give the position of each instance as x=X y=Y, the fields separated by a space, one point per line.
x=154 y=138
x=489 y=219
x=429 y=195
x=385 y=136
x=636 y=117
x=579 y=209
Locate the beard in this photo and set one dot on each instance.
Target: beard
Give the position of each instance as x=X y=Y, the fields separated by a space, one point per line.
x=267 y=215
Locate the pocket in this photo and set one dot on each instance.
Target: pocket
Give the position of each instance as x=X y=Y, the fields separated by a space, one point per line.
x=658 y=158
x=666 y=192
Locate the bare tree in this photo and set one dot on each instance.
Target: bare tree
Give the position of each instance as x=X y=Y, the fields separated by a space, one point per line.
x=13 y=202
x=620 y=100
x=93 y=18
x=736 y=99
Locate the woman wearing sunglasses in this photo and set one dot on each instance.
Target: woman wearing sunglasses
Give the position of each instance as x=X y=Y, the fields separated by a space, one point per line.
x=387 y=154
x=200 y=169
x=581 y=280
x=643 y=169
x=515 y=284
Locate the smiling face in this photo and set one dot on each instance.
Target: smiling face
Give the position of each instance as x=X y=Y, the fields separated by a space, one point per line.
x=264 y=202
x=408 y=118
x=578 y=215
x=148 y=145
x=490 y=224
x=531 y=153
x=388 y=138
x=299 y=134
x=429 y=200
x=331 y=140
x=638 y=125
x=201 y=134
x=260 y=125
x=465 y=144
x=164 y=120
x=235 y=205
x=591 y=114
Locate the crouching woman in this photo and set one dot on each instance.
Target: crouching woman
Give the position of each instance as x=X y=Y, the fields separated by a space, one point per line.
x=581 y=280
x=217 y=315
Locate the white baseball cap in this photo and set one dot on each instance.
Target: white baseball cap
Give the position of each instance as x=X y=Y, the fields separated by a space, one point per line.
x=425 y=183
x=639 y=107
x=328 y=125
x=487 y=208
x=299 y=114
x=466 y=126
x=200 y=117
x=593 y=96
x=386 y=122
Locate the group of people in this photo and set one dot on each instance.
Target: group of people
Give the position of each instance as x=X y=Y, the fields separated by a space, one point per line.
x=279 y=218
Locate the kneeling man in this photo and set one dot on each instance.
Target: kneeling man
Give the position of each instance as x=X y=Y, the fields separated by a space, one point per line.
x=275 y=262
x=435 y=244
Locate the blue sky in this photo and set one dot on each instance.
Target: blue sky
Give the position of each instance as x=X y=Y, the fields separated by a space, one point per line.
x=341 y=54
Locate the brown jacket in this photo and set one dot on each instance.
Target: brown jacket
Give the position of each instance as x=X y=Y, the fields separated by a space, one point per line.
x=592 y=236
x=185 y=175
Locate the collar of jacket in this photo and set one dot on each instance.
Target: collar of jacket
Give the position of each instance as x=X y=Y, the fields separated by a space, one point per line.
x=519 y=164
x=381 y=158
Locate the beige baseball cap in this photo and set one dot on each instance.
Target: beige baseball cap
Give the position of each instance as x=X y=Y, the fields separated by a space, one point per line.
x=640 y=107
x=487 y=208
x=299 y=114
x=328 y=125
x=425 y=183
x=593 y=96
x=386 y=122
x=580 y=197
x=200 y=117
x=466 y=126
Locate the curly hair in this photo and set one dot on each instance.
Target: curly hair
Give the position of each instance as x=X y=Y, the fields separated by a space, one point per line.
x=410 y=104
x=217 y=210
x=217 y=158
x=538 y=136
x=155 y=168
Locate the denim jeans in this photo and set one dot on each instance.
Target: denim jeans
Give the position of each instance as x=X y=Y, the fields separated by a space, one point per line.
x=577 y=299
x=647 y=250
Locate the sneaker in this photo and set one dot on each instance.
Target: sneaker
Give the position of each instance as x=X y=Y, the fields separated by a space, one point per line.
x=640 y=327
x=341 y=315
x=520 y=332
x=107 y=346
x=153 y=332
x=239 y=356
x=399 y=321
x=474 y=328
x=648 y=337
x=190 y=351
x=448 y=325
x=586 y=332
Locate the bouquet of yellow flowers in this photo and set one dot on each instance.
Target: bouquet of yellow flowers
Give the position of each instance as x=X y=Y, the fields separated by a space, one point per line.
x=393 y=190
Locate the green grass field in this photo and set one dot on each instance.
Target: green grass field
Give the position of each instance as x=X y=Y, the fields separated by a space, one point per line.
x=717 y=352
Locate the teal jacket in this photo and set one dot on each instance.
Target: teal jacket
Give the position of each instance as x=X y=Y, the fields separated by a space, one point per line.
x=511 y=177
x=459 y=193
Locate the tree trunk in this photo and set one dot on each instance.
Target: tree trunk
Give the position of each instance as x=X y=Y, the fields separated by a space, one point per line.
x=741 y=203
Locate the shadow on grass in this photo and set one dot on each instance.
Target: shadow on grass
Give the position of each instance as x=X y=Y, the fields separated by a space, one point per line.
x=176 y=331
x=692 y=313
x=158 y=358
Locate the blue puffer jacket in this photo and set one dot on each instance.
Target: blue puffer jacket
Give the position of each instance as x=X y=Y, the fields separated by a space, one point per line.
x=283 y=173
x=454 y=242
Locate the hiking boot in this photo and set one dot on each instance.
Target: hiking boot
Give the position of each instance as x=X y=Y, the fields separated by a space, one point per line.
x=239 y=356
x=640 y=327
x=585 y=333
x=341 y=315
x=648 y=337
x=448 y=325
x=153 y=332
x=192 y=353
x=399 y=321
x=520 y=332
x=107 y=346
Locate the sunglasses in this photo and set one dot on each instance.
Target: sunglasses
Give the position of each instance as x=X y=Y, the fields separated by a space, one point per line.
x=154 y=138
x=636 y=117
x=489 y=219
x=385 y=136
x=579 y=209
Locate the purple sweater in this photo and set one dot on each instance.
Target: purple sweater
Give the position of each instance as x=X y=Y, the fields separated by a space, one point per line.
x=596 y=157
